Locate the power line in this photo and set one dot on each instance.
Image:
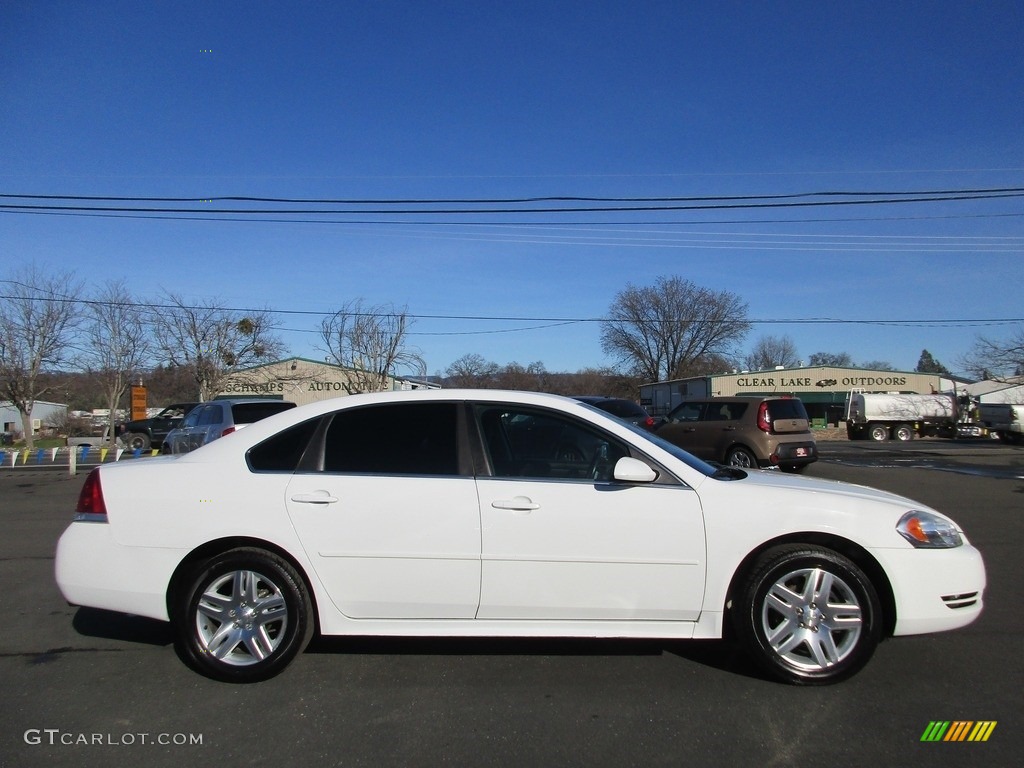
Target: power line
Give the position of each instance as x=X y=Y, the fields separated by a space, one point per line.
x=919 y=322
x=509 y=200
x=523 y=205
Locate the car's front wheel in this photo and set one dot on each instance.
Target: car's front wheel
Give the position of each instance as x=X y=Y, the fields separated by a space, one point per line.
x=808 y=615
x=244 y=615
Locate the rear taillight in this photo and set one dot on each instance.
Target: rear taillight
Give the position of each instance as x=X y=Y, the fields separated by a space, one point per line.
x=90 y=499
x=227 y=431
x=764 y=422
x=649 y=422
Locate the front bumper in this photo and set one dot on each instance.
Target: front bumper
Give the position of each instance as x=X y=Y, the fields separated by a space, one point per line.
x=935 y=589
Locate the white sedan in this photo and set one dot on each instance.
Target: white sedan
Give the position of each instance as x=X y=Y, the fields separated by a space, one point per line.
x=483 y=513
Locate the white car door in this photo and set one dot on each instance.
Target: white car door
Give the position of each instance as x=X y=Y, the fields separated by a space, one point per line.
x=390 y=524
x=561 y=541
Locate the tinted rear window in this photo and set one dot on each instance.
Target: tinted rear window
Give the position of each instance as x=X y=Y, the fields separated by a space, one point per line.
x=283 y=451
x=405 y=439
x=247 y=413
x=624 y=409
x=787 y=408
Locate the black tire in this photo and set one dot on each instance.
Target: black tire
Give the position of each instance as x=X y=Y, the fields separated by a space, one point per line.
x=878 y=432
x=903 y=432
x=243 y=616
x=137 y=441
x=807 y=615
x=741 y=457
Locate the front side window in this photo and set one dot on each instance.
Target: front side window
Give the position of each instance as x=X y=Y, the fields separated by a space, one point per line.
x=398 y=439
x=193 y=416
x=527 y=443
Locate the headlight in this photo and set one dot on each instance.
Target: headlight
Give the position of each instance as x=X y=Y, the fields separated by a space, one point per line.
x=926 y=530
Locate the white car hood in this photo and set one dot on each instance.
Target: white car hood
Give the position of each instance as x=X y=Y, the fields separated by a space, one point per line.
x=775 y=479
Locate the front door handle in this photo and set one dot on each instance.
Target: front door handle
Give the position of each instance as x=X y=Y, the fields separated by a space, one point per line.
x=517 y=504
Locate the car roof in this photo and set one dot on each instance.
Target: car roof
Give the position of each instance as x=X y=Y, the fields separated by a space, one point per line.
x=296 y=415
x=738 y=399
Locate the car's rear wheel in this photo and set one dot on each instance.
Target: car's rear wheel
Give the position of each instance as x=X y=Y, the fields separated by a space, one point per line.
x=137 y=441
x=808 y=615
x=741 y=457
x=903 y=432
x=244 y=615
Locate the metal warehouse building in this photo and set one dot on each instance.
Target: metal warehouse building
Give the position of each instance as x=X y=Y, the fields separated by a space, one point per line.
x=300 y=381
x=822 y=389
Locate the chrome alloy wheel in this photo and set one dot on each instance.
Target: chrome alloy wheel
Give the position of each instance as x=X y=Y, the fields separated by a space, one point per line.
x=241 y=618
x=811 y=619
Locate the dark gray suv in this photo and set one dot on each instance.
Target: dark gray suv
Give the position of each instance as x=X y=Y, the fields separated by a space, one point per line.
x=216 y=418
x=743 y=431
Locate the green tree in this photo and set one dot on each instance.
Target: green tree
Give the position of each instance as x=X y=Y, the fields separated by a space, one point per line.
x=928 y=364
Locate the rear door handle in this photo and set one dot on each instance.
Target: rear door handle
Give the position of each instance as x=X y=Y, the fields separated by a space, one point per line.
x=315 y=497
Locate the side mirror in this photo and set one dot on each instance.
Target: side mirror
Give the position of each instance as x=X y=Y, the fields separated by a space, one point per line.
x=630 y=470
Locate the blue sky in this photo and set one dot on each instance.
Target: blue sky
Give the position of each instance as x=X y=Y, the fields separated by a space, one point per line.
x=468 y=100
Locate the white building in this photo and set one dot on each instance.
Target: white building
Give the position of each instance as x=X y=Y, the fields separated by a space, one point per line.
x=43 y=413
x=1009 y=391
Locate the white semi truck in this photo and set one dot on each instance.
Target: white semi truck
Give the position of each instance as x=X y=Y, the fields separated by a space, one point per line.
x=895 y=416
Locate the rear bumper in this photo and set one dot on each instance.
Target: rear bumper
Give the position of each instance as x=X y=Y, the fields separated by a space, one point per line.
x=794 y=454
x=89 y=563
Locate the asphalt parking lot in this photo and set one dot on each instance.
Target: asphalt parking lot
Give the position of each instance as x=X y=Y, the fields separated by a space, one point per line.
x=84 y=687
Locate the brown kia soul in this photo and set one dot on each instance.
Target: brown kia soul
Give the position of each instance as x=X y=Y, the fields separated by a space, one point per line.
x=744 y=431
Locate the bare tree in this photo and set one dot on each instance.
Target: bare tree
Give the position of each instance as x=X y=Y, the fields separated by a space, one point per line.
x=472 y=371
x=657 y=331
x=38 y=314
x=117 y=343
x=997 y=359
x=837 y=359
x=370 y=341
x=878 y=365
x=770 y=352
x=212 y=342
x=531 y=378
